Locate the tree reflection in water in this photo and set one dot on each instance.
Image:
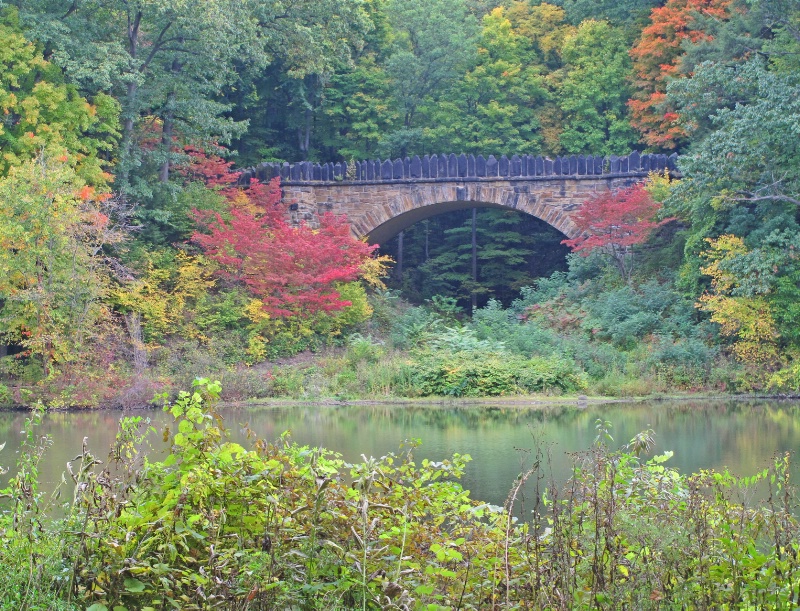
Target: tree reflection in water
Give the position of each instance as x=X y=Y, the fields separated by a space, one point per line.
x=739 y=434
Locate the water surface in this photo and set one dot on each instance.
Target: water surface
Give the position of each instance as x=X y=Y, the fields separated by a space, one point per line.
x=741 y=435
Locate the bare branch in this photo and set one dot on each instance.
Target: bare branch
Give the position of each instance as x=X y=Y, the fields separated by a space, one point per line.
x=157 y=45
x=760 y=198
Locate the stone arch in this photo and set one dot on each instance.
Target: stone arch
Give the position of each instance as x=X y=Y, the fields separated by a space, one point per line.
x=381 y=222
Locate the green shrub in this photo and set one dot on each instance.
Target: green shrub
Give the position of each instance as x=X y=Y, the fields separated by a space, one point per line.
x=486 y=374
x=545 y=289
x=685 y=363
x=548 y=374
x=414 y=327
x=627 y=315
x=462 y=339
x=495 y=324
x=287 y=382
x=786 y=379
x=360 y=348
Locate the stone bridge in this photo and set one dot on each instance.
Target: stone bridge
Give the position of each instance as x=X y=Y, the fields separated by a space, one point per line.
x=381 y=198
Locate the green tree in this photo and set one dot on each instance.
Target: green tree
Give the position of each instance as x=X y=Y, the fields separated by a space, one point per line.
x=286 y=104
x=429 y=54
x=358 y=110
x=169 y=63
x=752 y=154
x=594 y=90
x=513 y=250
x=618 y=12
x=741 y=180
x=494 y=108
x=160 y=56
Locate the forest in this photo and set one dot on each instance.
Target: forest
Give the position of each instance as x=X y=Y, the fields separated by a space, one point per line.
x=137 y=270
x=131 y=260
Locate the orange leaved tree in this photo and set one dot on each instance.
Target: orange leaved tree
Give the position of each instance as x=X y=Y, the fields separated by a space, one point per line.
x=656 y=59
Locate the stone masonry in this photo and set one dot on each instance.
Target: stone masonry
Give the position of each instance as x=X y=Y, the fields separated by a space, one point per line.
x=380 y=199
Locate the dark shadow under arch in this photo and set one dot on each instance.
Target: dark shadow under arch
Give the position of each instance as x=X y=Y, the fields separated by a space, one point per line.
x=389 y=229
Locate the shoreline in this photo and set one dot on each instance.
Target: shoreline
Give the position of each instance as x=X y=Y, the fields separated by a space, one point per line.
x=543 y=401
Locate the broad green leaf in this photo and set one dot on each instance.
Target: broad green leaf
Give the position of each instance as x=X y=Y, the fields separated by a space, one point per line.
x=133 y=585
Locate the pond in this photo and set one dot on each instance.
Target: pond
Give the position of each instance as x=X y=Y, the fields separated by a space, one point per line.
x=739 y=434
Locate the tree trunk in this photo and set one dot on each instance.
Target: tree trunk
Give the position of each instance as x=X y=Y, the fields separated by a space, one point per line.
x=129 y=106
x=133 y=322
x=168 y=127
x=305 y=134
x=400 y=256
x=474 y=257
x=166 y=141
x=127 y=133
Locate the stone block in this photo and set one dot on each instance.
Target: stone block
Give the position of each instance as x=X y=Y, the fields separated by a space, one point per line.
x=503 y=166
x=672 y=162
x=480 y=166
x=491 y=166
x=415 y=167
x=516 y=166
x=461 y=162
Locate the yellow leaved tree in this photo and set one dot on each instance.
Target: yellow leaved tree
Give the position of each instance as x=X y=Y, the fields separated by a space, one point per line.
x=746 y=319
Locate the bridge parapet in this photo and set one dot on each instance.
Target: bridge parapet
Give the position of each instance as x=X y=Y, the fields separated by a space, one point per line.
x=461 y=167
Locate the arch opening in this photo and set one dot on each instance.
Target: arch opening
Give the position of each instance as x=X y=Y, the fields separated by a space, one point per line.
x=434 y=256
x=394 y=225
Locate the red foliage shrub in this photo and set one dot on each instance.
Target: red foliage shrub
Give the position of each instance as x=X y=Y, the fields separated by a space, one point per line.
x=294 y=270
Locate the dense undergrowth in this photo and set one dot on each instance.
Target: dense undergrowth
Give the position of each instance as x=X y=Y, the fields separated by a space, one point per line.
x=577 y=332
x=569 y=334
x=275 y=525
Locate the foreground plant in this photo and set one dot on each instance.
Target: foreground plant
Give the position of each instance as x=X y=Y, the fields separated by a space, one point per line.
x=216 y=524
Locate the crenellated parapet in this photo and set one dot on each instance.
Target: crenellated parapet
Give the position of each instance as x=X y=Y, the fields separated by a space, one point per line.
x=462 y=167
